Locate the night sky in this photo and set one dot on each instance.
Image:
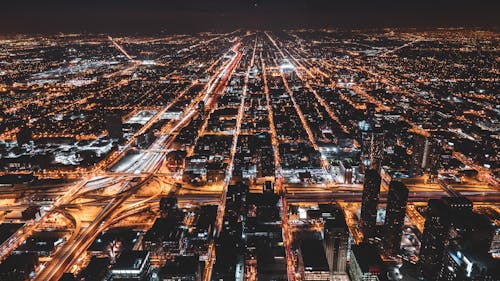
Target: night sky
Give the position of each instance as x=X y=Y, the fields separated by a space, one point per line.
x=152 y=16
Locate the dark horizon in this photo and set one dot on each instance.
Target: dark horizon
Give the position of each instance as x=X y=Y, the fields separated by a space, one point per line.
x=153 y=16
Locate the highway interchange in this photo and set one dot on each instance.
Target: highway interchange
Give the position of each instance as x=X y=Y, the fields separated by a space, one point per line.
x=113 y=190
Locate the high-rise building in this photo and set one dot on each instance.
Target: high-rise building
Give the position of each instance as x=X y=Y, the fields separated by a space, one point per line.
x=312 y=261
x=424 y=157
x=420 y=154
x=432 y=154
x=114 y=126
x=371 y=191
x=441 y=215
x=434 y=238
x=466 y=256
x=395 y=216
x=365 y=263
x=467 y=263
x=336 y=243
x=495 y=244
x=372 y=148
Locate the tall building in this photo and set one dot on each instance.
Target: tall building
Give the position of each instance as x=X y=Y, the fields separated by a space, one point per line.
x=466 y=262
x=365 y=263
x=313 y=264
x=371 y=191
x=441 y=215
x=425 y=156
x=372 y=148
x=495 y=244
x=395 y=216
x=432 y=154
x=421 y=146
x=467 y=256
x=114 y=126
x=434 y=238
x=336 y=243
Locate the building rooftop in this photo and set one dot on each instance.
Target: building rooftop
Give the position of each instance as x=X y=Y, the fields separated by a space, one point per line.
x=131 y=260
x=368 y=258
x=313 y=255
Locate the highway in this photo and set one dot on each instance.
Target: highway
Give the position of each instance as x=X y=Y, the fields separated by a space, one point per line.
x=66 y=256
x=279 y=181
x=115 y=188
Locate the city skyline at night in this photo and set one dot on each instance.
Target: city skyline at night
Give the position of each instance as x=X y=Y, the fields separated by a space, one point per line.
x=250 y=140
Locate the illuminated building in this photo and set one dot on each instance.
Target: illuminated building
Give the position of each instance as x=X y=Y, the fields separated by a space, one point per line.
x=132 y=265
x=434 y=238
x=422 y=154
x=397 y=199
x=336 y=243
x=458 y=204
x=371 y=191
x=495 y=244
x=287 y=69
x=268 y=187
x=467 y=255
x=372 y=147
x=346 y=171
x=164 y=238
x=418 y=161
x=457 y=265
x=441 y=215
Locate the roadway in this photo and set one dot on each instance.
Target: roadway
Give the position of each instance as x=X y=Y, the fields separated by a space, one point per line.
x=65 y=257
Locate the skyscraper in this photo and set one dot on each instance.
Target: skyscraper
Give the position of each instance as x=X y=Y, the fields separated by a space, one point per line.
x=336 y=242
x=395 y=216
x=432 y=154
x=371 y=191
x=436 y=228
x=438 y=222
x=372 y=148
x=365 y=263
x=420 y=153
